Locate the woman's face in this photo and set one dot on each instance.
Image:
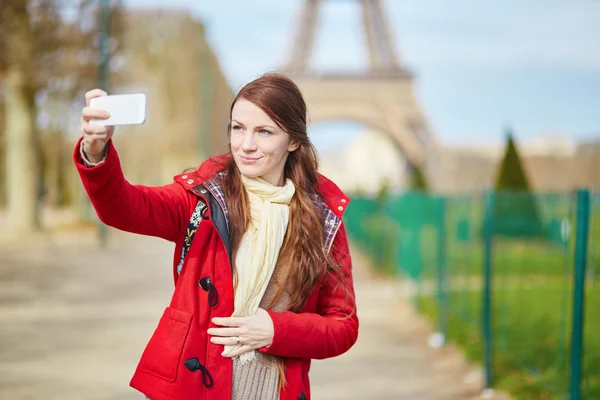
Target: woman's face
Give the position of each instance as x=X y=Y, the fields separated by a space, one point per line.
x=260 y=148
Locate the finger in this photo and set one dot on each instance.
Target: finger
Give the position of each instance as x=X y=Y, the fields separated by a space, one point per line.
x=225 y=341
x=88 y=113
x=95 y=129
x=230 y=321
x=225 y=332
x=93 y=93
x=237 y=351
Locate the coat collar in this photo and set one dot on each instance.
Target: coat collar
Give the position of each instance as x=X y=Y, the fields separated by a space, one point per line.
x=335 y=200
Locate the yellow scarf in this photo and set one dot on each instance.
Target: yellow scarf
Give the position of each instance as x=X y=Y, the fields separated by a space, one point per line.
x=259 y=248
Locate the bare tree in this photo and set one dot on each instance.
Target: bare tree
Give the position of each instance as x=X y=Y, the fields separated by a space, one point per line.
x=48 y=52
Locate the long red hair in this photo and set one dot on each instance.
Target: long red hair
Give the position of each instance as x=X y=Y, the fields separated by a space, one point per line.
x=302 y=259
x=302 y=248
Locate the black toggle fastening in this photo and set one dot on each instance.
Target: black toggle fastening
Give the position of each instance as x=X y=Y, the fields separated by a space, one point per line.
x=193 y=364
x=203 y=214
x=302 y=396
x=213 y=296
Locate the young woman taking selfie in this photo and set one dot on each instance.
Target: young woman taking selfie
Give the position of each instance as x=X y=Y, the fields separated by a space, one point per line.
x=262 y=270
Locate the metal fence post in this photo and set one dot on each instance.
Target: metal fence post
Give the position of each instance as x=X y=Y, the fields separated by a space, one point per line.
x=581 y=248
x=488 y=233
x=442 y=273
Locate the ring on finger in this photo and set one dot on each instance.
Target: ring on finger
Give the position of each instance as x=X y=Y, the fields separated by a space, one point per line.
x=237 y=340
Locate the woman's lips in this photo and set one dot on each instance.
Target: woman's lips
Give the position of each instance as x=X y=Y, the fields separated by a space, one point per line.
x=249 y=160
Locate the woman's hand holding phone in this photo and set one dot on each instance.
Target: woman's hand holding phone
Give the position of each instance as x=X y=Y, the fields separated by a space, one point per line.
x=95 y=136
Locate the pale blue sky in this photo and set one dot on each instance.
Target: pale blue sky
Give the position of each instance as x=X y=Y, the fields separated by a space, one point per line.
x=534 y=64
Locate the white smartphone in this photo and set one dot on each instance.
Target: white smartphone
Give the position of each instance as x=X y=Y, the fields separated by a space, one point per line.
x=124 y=109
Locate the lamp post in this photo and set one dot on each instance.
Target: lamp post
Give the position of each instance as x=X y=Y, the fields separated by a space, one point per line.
x=103 y=80
x=206 y=92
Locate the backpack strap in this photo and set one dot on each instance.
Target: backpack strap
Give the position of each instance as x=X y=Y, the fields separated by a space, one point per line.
x=190 y=232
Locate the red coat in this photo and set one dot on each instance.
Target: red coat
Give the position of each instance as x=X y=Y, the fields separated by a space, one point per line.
x=180 y=362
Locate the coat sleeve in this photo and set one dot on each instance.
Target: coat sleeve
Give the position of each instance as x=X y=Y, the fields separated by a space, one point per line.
x=333 y=329
x=159 y=211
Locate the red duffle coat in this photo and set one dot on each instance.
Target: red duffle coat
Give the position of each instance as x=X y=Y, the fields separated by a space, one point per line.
x=180 y=362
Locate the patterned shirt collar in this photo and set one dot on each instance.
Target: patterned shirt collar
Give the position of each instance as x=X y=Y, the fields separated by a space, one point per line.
x=331 y=221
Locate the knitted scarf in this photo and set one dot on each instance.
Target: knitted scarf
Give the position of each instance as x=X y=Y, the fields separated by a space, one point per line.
x=259 y=248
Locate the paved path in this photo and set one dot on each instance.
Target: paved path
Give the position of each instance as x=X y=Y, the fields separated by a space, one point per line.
x=74 y=321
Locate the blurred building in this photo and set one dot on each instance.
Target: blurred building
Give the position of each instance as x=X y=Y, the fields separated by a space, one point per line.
x=554 y=163
x=586 y=170
x=365 y=163
x=167 y=57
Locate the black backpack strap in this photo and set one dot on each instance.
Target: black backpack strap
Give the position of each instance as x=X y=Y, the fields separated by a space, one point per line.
x=190 y=232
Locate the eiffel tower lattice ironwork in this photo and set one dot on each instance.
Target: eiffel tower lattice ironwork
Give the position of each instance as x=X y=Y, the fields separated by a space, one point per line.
x=380 y=96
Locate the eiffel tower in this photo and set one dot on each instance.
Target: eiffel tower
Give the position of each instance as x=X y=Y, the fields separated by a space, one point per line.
x=381 y=96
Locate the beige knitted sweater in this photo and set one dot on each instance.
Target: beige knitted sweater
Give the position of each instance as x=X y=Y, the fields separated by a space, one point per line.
x=259 y=380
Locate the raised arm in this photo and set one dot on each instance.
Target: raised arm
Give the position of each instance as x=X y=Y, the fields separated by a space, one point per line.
x=161 y=211
x=333 y=329
x=153 y=211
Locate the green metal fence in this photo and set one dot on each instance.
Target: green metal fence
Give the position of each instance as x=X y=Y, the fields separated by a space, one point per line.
x=508 y=277
x=591 y=338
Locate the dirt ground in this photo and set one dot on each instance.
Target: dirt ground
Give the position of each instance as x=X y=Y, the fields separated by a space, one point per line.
x=74 y=320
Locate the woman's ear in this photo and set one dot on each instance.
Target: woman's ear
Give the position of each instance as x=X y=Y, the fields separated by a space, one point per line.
x=293 y=146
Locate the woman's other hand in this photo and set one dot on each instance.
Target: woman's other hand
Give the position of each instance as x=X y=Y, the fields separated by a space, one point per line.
x=95 y=136
x=245 y=333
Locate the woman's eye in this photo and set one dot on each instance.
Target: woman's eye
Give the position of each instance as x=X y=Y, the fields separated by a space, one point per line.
x=236 y=127
x=264 y=132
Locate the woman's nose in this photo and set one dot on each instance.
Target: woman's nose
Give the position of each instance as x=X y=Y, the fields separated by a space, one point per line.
x=248 y=143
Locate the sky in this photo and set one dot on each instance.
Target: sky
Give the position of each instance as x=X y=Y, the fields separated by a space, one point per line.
x=479 y=65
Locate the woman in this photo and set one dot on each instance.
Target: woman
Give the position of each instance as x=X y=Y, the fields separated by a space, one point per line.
x=262 y=270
